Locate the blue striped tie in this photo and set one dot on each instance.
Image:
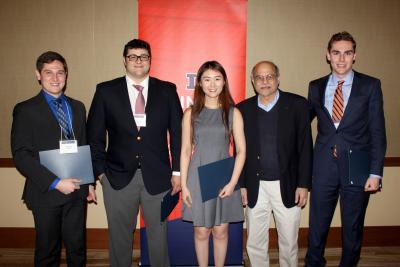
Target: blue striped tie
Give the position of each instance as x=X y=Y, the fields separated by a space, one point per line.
x=62 y=119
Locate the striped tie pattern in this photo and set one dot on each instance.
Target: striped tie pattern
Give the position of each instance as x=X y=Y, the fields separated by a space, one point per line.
x=338 y=103
x=139 y=105
x=62 y=119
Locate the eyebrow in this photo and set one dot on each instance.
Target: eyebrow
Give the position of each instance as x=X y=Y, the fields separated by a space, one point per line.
x=212 y=76
x=334 y=50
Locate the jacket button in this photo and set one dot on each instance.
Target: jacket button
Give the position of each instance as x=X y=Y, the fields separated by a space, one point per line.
x=258 y=174
x=258 y=157
x=138 y=138
x=137 y=156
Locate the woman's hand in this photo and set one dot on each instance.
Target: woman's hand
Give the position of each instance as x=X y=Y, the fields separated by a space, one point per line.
x=227 y=190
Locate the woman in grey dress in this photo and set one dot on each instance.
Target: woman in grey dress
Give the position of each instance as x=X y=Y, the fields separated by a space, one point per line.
x=207 y=128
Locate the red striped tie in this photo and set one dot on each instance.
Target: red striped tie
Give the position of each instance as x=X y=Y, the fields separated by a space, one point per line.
x=338 y=103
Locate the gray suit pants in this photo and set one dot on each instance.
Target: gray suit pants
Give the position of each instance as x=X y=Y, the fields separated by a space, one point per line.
x=122 y=208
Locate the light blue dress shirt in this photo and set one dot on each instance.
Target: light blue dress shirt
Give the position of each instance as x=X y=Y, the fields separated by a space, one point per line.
x=269 y=106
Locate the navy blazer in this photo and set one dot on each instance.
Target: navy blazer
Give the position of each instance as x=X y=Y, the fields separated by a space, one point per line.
x=294 y=147
x=35 y=129
x=362 y=126
x=111 y=114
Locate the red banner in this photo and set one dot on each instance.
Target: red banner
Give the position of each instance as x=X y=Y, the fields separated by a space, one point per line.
x=185 y=34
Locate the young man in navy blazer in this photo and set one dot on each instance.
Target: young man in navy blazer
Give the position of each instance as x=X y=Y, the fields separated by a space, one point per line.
x=352 y=121
x=129 y=122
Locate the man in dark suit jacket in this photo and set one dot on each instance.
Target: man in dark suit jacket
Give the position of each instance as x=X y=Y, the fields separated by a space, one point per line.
x=58 y=206
x=349 y=108
x=137 y=112
x=277 y=172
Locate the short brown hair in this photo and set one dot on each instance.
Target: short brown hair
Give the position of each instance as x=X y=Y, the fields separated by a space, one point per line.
x=48 y=57
x=342 y=36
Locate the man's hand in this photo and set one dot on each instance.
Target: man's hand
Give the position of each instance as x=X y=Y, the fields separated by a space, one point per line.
x=68 y=185
x=372 y=184
x=243 y=193
x=101 y=177
x=92 y=195
x=186 y=198
x=176 y=184
x=301 y=196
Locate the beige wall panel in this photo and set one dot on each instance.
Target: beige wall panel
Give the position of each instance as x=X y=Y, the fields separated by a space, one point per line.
x=89 y=34
x=294 y=34
x=116 y=22
x=382 y=209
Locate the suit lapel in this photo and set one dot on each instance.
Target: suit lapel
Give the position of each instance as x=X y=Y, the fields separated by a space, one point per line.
x=126 y=107
x=47 y=115
x=283 y=107
x=151 y=95
x=75 y=118
x=253 y=121
x=355 y=91
x=322 y=91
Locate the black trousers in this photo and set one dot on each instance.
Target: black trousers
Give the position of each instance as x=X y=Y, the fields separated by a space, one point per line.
x=54 y=225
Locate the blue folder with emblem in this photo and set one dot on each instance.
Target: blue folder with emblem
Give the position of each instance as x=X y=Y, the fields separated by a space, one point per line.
x=69 y=165
x=214 y=176
x=359 y=167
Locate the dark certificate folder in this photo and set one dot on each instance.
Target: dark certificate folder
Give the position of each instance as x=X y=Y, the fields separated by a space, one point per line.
x=359 y=167
x=168 y=204
x=69 y=165
x=214 y=176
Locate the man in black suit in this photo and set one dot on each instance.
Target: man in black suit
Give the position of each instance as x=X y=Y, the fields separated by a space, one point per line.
x=277 y=172
x=58 y=205
x=349 y=108
x=137 y=113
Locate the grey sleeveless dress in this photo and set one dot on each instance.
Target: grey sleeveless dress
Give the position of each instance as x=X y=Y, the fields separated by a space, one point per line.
x=211 y=144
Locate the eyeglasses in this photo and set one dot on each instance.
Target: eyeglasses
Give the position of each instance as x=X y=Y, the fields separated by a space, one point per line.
x=134 y=58
x=261 y=78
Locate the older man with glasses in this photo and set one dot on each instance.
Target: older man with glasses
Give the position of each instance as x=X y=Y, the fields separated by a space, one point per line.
x=277 y=173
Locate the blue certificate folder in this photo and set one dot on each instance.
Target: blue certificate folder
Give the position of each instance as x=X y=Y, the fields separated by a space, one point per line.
x=214 y=176
x=168 y=204
x=359 y=167
x=69 y=165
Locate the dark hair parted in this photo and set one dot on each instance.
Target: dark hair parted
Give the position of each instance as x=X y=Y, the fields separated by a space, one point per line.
x=48 y=57
x=225 y=99
x=137 y=43
x=342 y=36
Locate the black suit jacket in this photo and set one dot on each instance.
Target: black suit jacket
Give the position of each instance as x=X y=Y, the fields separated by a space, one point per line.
x=294 y=147
x=111 y=113
x=362 y=126
x=35 y=129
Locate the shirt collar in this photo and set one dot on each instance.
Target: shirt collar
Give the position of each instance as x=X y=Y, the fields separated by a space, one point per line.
x=144 y=83
x=270 y=105
x=348 y=80
x=50 y=98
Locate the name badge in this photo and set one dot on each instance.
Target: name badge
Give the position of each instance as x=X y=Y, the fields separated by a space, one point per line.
x=140 y=120
x=68 y=146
